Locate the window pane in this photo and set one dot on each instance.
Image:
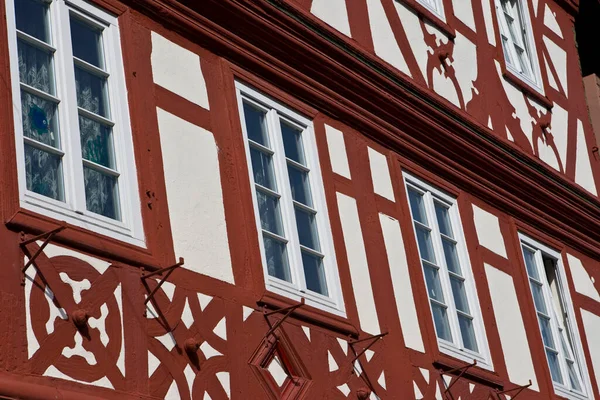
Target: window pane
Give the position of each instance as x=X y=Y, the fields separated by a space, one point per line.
x=262 y=168
x=91 y=92
x=307 y=229
x=460 y=295
x=87 y=43
x=314 y=274
x=32 y=18
x=101 y=193
x=530 y=263
x=292 y=142
x=546 y=332
x=300 y=185
x=43 y=173
x=416 y=206
x=451 y=256
x=425 y=245
x=434 y=286
x=256 y=124
x=40 y=119
x=538 y=297
x=554 y=366
x=96 y=142
x=443 y=218
x=270 y=215
x=35 y=67
x=573 y=378
x=440 y=320
x=467 y=333
x=506 y=50
x=277 y=259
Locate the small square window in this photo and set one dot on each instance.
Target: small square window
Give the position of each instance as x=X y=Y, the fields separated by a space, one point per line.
x=289 y=201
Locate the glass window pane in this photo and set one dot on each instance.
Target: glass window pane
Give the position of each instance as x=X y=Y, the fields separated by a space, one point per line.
x=262 y=168
x=256 y=126
x=434 y=286
x=417 y=207
x=87 y=43
x=530 y=263
x=460 y=294
x=554 y=366
x=506 y=50
x=40 y=119
x=443 y=219
x=307 y=229
x=292 y=142
x=43 y=173
x=467 y=333
x=32 y=18
x=270 y=215
x=35 y=67
x=96 y=142
x=538 y=297
x=573 y=378
x=425 y=244
x=300 y=185
x=451 y=256
x=91 y=92
x=101 y=193
x=314 y=274
x=277 y=259
x=546 y=332
x=440 y=320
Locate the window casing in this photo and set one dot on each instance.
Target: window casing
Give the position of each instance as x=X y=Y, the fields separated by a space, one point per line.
x=517 y=40
x=289 y=202
x=435 y=6
x=448 y=276
x=73 y=137
x=555 y=317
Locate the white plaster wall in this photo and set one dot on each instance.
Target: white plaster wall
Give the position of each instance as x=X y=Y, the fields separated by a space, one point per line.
x=403 y=293
x=414 y=34
x=583 y=282
x=380 y=173
x=558 y=57
x=488 y=231
x=334 y=13
x=195 y=197
x=178 y=70
x=359 y=267
x=550 y=21
x=465 y=65
x=511 y=329
x=463 y=10
x=559 y=130
x=591 y=325
x=384 y=41
x=337 y=151
x=489 y=22
x=583 y=167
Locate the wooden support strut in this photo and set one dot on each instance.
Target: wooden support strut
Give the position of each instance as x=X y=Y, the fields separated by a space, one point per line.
x=288 y=311
x=169 y=271
x=462 y=370
x=519 y=388
x=47 y=236
x=363 y=376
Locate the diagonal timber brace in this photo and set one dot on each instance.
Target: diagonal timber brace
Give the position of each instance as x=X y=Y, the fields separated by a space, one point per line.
x=371 y=341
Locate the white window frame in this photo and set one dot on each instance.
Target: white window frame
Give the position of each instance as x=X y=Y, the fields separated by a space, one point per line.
x=539 y=248
x=73 y=210
x=532 y=78
x=455 y=348
x=435 y=6
x=297 y=289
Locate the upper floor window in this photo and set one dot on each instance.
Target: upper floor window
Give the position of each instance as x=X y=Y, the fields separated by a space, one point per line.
x=555 y=317
x=435 y=6
x=289 y=202
x=448 y=276
x=74 y=146
x=517 y=41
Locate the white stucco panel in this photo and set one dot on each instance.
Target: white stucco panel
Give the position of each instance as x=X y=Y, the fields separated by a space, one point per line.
x=178 y=70
x=559 y=126
x=583 y=282
x=403 y=293
x=414 y=35
x=334 y=13
x=551 y=22
x=465 y=65
x=591 y=325
x=463 y=10
x=195 y=197
x=489 y=22
x=488 y=231
x=337 y=151
x=444 y=86
x=359 y=267
x=558 y=58
x=511 y=329
x=583 y=167
x=380 y=173
x=384 y=40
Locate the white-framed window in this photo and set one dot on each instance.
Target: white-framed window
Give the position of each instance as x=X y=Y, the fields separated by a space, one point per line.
x=435 y=6
x=556 y=319
x=518 y=44
x=289 y=202
x=73 y=137
x=448 y=275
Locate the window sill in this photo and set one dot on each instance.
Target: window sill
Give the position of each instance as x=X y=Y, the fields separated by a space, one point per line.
x=310 y=314
x=83 y=239
x=568 y=394
x=526 y=88
x=432 y=18
x=477 y=374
